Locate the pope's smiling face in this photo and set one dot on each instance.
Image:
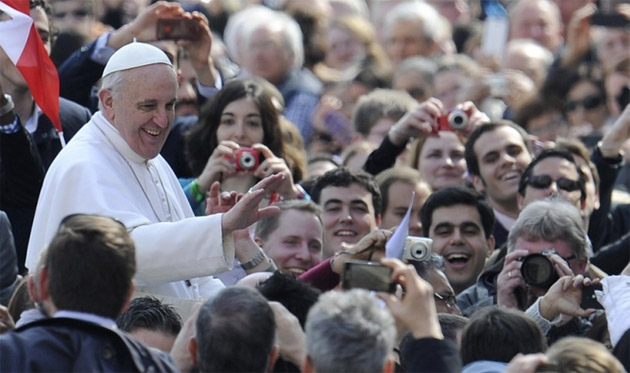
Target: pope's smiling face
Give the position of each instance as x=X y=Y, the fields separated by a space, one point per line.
x=143 y=108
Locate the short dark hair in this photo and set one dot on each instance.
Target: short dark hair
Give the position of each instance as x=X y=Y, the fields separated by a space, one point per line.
x=469 y=152
x=235 y=332
x=91 y=262
x=457 y=195
x=498 y=334
x=267 y=225
x=151 y=314
x=552 y=153
x=296 y=296
x=344 y=177
x=390 y=176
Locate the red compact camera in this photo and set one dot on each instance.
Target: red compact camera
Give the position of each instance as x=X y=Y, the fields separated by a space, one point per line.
x=178 y=29
x=454 y=120
x=247 y=159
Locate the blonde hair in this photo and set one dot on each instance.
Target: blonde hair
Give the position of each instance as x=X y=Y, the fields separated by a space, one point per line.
x=582 y=355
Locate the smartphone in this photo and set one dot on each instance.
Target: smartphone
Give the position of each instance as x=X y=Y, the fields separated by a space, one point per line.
x=613 y=20
x=589 y=300
x=178 y=29
x=367 y=275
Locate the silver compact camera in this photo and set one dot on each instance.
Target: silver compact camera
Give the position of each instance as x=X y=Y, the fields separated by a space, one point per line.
x=417 y=248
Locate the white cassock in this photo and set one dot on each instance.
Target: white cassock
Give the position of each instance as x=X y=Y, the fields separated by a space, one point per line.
x=98 y=173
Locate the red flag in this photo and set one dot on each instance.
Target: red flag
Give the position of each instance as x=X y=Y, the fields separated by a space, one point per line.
x=21 y=42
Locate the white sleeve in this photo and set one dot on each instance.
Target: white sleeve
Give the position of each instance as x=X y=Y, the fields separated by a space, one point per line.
x=616 y=301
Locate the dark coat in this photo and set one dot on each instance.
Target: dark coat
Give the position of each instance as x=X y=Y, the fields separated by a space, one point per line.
x=71 y=345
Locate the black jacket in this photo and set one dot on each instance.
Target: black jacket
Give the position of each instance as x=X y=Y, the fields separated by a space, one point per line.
x=70 y=345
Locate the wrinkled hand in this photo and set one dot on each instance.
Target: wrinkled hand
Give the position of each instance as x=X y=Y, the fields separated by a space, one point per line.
x=373 y=244
x=273 y=165
x=218 y=202
x=565 y=296
x=199 y=51
x=416 y=310
x=246 y=212
x=144 y=27
x=416 y=122
x=509 y=279
x=290 y=337
x=219 y=164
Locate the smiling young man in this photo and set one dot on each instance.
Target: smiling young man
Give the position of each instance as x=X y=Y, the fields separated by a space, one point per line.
x=350 y=202
x=293 y=239
x=460 y=223
x=496 y=155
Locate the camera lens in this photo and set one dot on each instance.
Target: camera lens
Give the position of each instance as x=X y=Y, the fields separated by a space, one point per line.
x=247 y=161
x=457 y=119
x=419 y=251
x=537 y=270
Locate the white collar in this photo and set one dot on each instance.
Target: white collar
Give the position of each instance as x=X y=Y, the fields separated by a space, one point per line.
x=115 y=138
x=89 y=317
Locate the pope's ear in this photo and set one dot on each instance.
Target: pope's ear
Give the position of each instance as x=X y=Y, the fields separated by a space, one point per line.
x=107 y=100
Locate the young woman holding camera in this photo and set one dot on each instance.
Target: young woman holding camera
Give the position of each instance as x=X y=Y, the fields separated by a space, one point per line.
x=238 y=141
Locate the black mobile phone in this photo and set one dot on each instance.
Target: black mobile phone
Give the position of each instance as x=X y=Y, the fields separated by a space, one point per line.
x=589 y=300
x=613 y=20
x=367 y=275
x=178 y=29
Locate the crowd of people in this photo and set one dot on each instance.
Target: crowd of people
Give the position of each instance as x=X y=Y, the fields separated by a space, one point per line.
x=227 y=162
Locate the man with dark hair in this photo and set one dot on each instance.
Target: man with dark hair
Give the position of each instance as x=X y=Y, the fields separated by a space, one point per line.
x=460 y=222
x=152 y=322
x=497 y=154
x=351 y=205
x=295 y=295
x=84 y=284
x=553 y=173
x=235 y=332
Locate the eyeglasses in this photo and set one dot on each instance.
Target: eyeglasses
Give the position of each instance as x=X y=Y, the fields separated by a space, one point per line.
x=544 y=182
x=553 y=251
x=449 y=299
x=588 y=103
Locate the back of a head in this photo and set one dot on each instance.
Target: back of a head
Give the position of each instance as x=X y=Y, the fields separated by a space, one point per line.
x=498 y=334
x=380 y=104
x=235 y=332
x=91 y=263
x=151 y=314
x=349 y=332
x=296 y=296
x=582 y=355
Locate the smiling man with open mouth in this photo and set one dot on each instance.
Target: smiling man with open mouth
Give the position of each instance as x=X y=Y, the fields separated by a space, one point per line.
x=460 y=223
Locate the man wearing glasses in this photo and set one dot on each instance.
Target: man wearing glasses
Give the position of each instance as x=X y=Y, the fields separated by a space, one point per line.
x=553 y=173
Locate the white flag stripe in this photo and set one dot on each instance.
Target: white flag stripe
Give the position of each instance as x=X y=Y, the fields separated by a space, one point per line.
x=14 y=32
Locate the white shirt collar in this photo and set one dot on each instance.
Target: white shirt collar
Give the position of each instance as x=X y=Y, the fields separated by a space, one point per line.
x=89 y=317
